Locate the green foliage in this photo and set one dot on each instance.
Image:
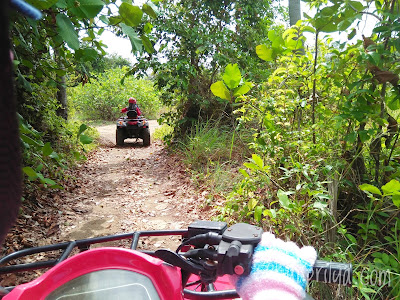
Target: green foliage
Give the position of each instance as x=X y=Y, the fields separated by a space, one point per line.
x=104 y=97
x=211 y=151
x=161 y=132
x=232 y=80
x=323 y=123
x=196 y=40
x=44 y=165
x=209 y=142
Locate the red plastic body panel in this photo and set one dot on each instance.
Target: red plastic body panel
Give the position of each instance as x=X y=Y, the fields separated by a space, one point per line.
x=166 y=278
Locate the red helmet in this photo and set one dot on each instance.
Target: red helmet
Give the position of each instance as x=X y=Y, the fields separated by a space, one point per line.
x=132 y=100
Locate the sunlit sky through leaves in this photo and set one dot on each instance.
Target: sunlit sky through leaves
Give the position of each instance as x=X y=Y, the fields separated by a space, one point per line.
x=122 y=46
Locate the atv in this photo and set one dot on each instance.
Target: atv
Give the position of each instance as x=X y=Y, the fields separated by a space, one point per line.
x=132 y=126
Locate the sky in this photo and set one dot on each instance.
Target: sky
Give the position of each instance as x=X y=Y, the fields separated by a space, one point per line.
x=122 y=46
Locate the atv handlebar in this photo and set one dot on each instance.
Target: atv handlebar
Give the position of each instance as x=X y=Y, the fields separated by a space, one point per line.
x=208 y=249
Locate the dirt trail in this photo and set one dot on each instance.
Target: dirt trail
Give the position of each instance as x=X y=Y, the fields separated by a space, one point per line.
x=128 y=188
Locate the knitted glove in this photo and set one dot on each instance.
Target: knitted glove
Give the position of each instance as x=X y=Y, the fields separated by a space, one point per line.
x=279 y=271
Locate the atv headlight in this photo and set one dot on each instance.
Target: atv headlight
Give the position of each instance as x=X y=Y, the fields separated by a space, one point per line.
x=120 y=123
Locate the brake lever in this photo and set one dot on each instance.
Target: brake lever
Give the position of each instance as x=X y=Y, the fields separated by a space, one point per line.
x=201 y=253
x=178 y=261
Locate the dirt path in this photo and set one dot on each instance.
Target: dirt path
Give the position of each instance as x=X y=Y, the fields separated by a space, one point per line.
x=128 y=188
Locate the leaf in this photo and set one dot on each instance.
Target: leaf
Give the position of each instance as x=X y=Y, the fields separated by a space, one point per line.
x=85 y=139
x=232 y=76
x=364 y=136
x=219 y=89
x=25 y=83
x=352 y=34
x=351 y=137
x=47 y=150
x=31 y=141
x=264 y=52
x=320 y=205
x=131 y=15
x=29 y=171
x=381 y=29
x=370 y=188
x=136 y=42
x=391 y=187
x=67 y=31
x=394 y=102
x=351 y=238
x=283 y=199
x=49 y=181
x=43 y=4
x=55 y=156
x=258 y=160
x=258 y=213
x=244 y=173
x=251 y=166
x=150 y=9
x=243 y=89
x=82 y=128
x=252 y=203
x=396 y=199
x=105 y=20
x=85 y=8
x=148 y=28
x=148 y=46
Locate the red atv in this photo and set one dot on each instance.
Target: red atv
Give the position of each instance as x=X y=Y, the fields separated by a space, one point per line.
x=132 y=126
x=199 y=269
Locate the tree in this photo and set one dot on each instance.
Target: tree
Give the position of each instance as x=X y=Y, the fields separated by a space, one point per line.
x=197 y=39
x=64 y=40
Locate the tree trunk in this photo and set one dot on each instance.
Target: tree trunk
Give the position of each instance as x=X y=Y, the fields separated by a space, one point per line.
x=62 y=111
x=294 y=11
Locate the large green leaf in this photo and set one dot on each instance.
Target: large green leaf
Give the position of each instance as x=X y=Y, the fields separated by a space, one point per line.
x=43 y=4
x=67 y=31
x=136 y=42
x=258 y=160
x=232 y=76
x=85 y=8
x=148 y=46
x=85 y=139
x=396 y=199
x=219 y=89
x=243 y=89
x=391 y=187
x=82 y=128
x=47 y=149
x=370 y=188
x=29 y=171
x=87 y=54
x=31 y=141
x=283 y=199
x=264 y=52
x=131 y=15
x=150 y=9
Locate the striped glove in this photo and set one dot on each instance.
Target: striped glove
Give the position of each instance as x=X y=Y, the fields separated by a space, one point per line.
x=279 y=271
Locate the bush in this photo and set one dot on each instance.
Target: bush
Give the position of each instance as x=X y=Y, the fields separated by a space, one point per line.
x=104 y=97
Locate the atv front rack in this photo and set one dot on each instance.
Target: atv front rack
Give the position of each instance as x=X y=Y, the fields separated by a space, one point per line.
x=82 y=245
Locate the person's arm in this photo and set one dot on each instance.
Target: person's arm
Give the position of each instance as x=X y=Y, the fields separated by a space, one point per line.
x=124 y=110
x=139 y=113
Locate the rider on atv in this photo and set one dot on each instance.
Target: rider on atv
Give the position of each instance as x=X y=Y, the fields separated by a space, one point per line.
x=132 y=106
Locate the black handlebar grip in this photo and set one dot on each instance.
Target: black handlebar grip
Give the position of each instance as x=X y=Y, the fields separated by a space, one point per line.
x=332 y=272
